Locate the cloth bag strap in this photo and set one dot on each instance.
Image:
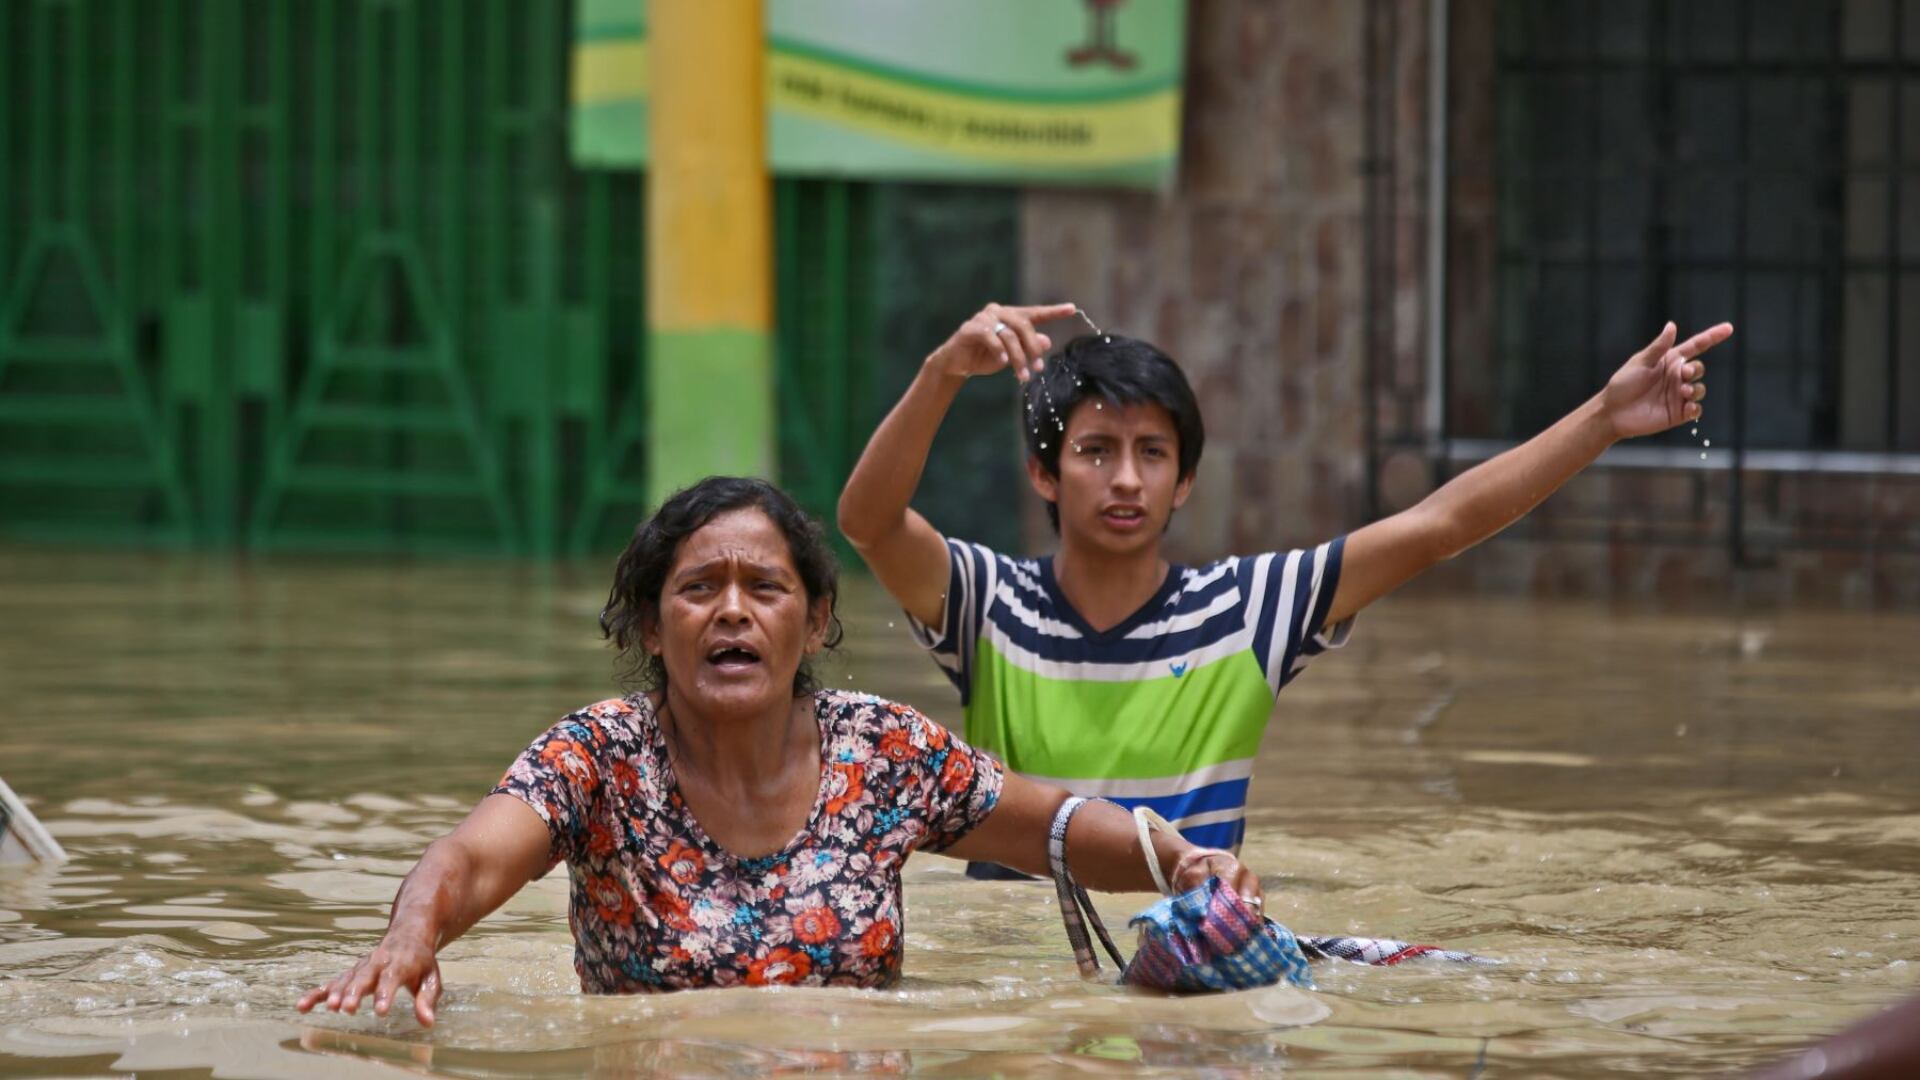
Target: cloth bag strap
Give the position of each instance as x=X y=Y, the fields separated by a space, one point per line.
x=1145 y=820
x=1076 y=907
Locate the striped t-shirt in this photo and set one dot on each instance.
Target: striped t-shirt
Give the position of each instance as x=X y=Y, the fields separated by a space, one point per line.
x=1165 y=709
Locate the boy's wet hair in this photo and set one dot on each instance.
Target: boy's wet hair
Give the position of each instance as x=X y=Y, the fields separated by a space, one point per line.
x=1107 y=367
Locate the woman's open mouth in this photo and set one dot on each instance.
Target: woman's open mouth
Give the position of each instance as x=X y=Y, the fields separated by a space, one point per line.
x=733 y=659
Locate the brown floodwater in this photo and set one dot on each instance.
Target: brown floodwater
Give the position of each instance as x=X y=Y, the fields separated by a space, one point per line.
x=1693 y=836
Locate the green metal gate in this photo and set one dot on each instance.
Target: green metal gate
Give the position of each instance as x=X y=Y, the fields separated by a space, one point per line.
x=319 y=274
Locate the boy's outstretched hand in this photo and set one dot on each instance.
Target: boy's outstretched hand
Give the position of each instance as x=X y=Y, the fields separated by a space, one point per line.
x=1662 y=385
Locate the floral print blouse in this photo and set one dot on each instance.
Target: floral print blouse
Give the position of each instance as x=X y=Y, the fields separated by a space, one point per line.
x=657 y=905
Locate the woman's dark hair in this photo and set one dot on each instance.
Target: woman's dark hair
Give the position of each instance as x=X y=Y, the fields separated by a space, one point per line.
x=642 y=570
x=1108 y=367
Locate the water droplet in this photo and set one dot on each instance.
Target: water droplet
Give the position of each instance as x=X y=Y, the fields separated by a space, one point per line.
x=1696 y=431
x=889 y=624
x=1097 y=405
x=1043 y=446
x=1706 y=442
x=1104 y=338
x=1703 y=455
x=1097 y=463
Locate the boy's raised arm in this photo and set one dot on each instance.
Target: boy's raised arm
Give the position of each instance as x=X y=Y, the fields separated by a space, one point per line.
x=903 y=549
x=1658 y=388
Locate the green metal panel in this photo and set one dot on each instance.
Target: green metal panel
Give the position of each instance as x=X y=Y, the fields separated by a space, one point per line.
x=320 y=275
x=82 y=444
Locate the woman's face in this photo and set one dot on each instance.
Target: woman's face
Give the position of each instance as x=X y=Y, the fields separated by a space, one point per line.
x=734 y=619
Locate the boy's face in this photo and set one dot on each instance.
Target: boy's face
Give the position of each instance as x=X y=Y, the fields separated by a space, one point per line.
x=1119 y=479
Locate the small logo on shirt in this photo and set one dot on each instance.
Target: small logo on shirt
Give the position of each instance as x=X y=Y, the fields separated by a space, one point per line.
x=1179 y=669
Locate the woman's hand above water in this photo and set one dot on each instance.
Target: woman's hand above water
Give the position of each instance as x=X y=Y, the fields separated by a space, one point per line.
x=462 y=877
x=1192 y=868
x=401 y=960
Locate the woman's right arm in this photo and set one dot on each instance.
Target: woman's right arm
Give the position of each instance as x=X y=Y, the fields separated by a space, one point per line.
x=462 y=877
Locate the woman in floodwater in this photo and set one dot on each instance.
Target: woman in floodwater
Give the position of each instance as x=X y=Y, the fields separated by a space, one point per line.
x=732 y=823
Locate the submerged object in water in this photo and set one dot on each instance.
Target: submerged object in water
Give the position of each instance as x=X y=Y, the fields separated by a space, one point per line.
x=22 y=837
x=1380 y=952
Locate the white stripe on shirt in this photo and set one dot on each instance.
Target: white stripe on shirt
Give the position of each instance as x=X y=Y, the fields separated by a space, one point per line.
x=1094 y=671
x=1154 y=787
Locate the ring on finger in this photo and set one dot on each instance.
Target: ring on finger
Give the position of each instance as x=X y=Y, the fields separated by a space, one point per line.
x=1001 y=328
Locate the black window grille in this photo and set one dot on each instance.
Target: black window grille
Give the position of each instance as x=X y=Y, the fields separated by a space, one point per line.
x=1752 y=160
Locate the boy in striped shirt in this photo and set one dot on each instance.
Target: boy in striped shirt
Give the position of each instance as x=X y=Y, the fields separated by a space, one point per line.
x=1103 y=668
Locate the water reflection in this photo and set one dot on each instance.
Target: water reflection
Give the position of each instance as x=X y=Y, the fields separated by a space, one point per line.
x=1695 y=838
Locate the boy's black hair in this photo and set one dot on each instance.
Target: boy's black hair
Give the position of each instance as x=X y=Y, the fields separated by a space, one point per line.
x=1107 y=367
x=642 y=571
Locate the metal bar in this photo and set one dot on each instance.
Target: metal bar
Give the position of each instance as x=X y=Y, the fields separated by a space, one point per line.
x=79 y=144
x=403 y=174
x=1385 y=348
x=222 y=83
x=1723 y=68
x=1634 y=456
x=1736 y=480
x=1894 y=160
x=9 y=164
x=367 y=130
x=1512 y=256
x=451 y=198
x=1659 y=294
x=279 y=184
x=492 y=198
x=40 y=120
x=545 y=83
x=1702 y=168
x=125 y=242
x=402 y=168
x=1833 y=241
x=1439 y=66
x=322 y=247
x=1374 y=90
x=1590 y=266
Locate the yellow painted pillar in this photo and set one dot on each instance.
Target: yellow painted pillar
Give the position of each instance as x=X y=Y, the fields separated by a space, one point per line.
x=709 y=245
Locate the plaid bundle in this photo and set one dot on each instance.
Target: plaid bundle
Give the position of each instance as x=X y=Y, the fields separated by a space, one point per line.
x=1209 y=939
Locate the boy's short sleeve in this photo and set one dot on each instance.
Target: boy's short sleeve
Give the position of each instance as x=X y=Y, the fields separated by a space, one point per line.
x=1289 y=594
x=972 y=575
x=559 y=776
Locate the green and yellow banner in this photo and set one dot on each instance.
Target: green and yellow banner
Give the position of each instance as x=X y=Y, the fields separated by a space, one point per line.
x=1059 y=91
